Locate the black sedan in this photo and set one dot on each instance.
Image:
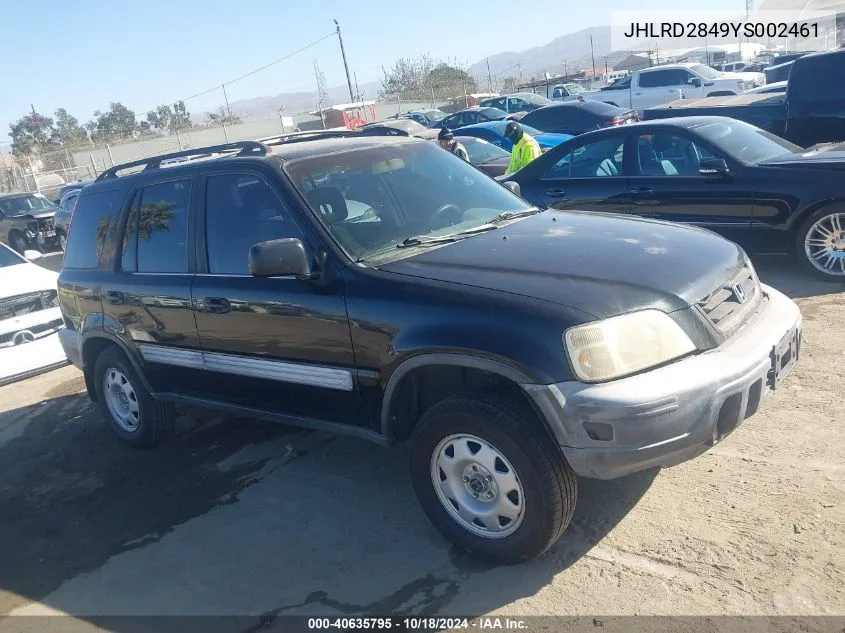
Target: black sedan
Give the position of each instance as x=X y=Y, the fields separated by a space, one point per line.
x=469 y=116
x=754 y=188
x=577 y=117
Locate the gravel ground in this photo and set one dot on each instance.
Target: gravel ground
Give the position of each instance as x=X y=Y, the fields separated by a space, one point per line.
x=235 y=516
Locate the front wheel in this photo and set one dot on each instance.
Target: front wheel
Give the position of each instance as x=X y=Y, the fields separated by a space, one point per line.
x=820 y=243
x=18 y=242
x=490 y=478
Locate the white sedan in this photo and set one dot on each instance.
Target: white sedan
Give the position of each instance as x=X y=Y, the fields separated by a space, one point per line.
x=29 y=317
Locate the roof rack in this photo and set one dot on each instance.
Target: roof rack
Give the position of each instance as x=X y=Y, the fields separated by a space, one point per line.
x=242 y=148
x=313 y=135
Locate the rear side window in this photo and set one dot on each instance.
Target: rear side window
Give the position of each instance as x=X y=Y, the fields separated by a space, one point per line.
x=162 y=227
x=92 y=222
x=657 y=78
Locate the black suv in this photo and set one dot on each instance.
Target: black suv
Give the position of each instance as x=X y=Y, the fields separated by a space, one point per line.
x=385 y=289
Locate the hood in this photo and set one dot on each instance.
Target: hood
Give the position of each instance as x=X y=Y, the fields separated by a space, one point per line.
x=832 y=157
x=744 y=76
x=24 y=278
x=551 y=139
x=601 y=264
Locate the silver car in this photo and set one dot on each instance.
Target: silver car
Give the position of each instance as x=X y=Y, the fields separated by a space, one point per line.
x=64 y=214
x=27 y=222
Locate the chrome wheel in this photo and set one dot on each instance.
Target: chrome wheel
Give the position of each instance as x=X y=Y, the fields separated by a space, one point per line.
x=121 y=400
x=825 y=244
x=477 y=486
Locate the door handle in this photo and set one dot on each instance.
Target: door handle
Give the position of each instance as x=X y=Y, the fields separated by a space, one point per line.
x=637 y=94
x=642 y=191
x=216 y=305
x=114 y=297
x=555 y=193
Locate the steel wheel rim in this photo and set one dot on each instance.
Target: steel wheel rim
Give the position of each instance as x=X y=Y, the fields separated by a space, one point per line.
x=824 y=245
x=477 y=486
x=121 y=400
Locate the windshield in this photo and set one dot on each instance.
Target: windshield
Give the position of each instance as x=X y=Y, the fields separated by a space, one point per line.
x=9 y=258
x=25 y=204
x=574 y=89
x=481 y=151
x=705 y=71
x=434 y=115
x=746 y=142
x=406 y=190
x=536 y=99
x=494 y=113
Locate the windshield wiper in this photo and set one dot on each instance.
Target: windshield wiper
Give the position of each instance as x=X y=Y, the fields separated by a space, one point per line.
x=421 y=240
x=510 y=215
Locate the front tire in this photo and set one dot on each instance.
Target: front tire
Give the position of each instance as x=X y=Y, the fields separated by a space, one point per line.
x=820 y=243
x=132 y=413
x=18 y=242
x=490 y=478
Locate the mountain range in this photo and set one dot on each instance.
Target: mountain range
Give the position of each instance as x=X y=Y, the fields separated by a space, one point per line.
x=567 y=53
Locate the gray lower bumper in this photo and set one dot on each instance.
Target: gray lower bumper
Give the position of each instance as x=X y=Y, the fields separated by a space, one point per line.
x=673 y=413
x=70 y=343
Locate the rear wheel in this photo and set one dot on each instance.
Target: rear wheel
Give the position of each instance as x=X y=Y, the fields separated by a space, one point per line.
x=490 y=478
x=132 y=413
x=820 y=243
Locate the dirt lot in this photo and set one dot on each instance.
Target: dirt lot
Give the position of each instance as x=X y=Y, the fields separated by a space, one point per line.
x=235 y=516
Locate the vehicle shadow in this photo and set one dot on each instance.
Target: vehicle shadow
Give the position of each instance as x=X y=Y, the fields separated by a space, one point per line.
x=786 y=275
x=243 y=517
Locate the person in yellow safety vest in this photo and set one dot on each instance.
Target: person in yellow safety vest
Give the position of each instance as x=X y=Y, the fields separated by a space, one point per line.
x=525 y=148
x=447 y=141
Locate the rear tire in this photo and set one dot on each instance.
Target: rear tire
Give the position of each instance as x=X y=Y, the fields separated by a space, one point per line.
x=508 y=494
x=132 y=413
x=820 y=243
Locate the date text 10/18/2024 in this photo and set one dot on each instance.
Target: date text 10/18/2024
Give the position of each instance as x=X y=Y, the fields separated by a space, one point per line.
x=416 y=623
x=720 y=29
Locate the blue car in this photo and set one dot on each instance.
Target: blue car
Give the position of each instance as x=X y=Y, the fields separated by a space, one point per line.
x=493 y=131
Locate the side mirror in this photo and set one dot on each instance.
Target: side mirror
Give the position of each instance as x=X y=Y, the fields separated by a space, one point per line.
x=280 y=258
x=513 y=187
x=714 y=168
x=32 y=255
x=694 y=81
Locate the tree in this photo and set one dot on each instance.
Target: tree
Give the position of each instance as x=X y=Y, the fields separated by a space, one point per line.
x=181 y=118
x=32 y=134
x=222 y=117
x=68 y=132
x=509 y=84
x=118 y=123
x=417 y=79
x=160 y=118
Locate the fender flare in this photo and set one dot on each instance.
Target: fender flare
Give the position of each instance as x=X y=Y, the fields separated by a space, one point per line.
x=455 y=359
x=120 y=344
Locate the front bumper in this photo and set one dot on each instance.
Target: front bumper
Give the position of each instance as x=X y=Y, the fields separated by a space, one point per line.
x=673 y=413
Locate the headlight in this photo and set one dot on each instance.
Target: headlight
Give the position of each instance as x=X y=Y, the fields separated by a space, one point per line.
x=623 y=345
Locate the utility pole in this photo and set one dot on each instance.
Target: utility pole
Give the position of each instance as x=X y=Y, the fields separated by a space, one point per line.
x=519 y=68
x=606 y=71
x=593 y=55
x=322 y=93
x=226 y=97
x=33 y=108
x=357 y=92
x=489 y=77
x=345 y=65
x=565 y=70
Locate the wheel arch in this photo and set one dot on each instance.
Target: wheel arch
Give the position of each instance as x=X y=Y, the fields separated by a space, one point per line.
x=721 y=93
x=92 y=345
x=397 y=422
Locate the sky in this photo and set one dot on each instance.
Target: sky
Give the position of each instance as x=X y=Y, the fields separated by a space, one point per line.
x=83 y=54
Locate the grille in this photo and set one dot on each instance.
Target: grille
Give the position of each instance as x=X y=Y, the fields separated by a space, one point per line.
x=24 y=304
x=733 y=302
x=55 y=324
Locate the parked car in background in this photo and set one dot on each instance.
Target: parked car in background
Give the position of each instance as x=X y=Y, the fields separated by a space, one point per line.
x=494 y=132
x=407 y=126
x=29 y=317
x=518 y=102
x=754 y=188
x=733 y=67
x=511 y=365
x=424 y=117
x=577 y=117
x=64 y=215
x=470 y=116
x=781 y=66
x=811 y=111
x=660 y=84
x=26 y=222
x=766 y=89
x=71 y=186
x=488 y=157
